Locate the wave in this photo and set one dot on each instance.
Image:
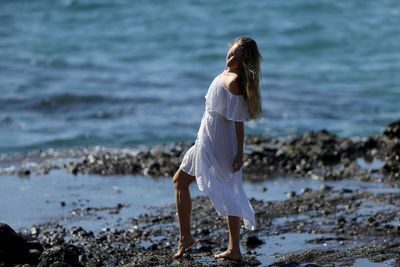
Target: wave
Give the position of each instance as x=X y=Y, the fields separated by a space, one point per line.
x=59 y=101
x=312 y=45
x=307 y=28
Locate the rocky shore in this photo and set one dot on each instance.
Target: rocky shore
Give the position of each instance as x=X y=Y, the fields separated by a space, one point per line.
x=319 y=155
x=337 y=226
x=333 y=222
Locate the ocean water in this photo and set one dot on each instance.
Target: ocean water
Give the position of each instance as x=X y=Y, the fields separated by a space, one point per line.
x=125 y=73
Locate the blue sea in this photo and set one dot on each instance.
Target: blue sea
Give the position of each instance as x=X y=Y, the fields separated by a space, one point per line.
x=125 y=73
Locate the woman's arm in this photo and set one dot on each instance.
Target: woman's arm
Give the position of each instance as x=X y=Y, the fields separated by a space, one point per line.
x=238 y=160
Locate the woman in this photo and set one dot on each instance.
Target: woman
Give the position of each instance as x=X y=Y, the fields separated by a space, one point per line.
x=215 y=159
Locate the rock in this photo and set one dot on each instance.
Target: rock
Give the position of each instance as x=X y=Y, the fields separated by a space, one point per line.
x=346 y=191
x=326 y=188
x=202 y=231
x=252 y=241
x=153 y=246
x=340 y=221
x=305 y=190
x=176 y=151
x=59 y=264
x=291 y=194
x=35 y=253
x=285 y=264
x=157 y=151
x=34 y=231
x=204 y=246
x=23 y=172
x=371 y=143
x=392 y=130
x=252 y=261
x=58 y=255
x=13 y=248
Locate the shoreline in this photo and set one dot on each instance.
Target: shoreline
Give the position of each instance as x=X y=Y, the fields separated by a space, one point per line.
x=329 y=225
x=319 y=155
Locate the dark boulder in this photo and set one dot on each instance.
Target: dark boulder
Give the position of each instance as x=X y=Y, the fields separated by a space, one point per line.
x=13 y=248
x=252 y=241
x=393 y=130
x=61 y=255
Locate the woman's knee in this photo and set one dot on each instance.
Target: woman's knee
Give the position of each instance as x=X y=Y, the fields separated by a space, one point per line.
x=181 y=180
x=178 y=180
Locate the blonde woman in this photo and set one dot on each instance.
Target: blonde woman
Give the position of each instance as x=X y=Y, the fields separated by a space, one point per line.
x=215 y=159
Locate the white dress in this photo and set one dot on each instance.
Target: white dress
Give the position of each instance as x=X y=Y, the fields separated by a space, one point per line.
x=210 y=158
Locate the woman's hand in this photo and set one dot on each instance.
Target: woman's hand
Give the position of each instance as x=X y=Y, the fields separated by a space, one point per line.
x=237 y=162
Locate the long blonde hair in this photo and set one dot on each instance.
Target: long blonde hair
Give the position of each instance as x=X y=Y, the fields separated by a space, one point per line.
x=251 y=75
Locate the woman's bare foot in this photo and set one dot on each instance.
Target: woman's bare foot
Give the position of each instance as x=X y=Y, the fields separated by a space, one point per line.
x=184 y=244
x=229 y=254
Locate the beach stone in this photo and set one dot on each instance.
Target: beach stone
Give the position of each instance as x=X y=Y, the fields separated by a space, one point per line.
x=157 y=151
x=35 y=253
x=204 y=246
x=59 y=264
x=285 y=264
x=340 y=221
x=305 y=190
x=34 y=231
x=23 y=172
x=291 y=194
x=326 y=188
x=250 y=261
x=370 y=143
x=64 y=254
x=252 y=241
x=392 y=130
x=346 y=191
x=13 y=248
x=262 y=189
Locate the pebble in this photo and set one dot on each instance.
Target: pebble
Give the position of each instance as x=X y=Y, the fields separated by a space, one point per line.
x=305 y=190
x=326 y=188
x=253 y=241
x=291 y=194
x=23 y=172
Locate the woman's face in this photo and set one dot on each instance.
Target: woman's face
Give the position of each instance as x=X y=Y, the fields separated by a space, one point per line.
x=234 y=57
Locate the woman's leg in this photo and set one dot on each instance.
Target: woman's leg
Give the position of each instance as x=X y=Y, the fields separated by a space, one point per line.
x=233 y=251
x=181 y=182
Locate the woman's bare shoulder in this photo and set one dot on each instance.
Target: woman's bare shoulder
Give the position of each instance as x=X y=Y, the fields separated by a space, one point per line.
x=233 y=84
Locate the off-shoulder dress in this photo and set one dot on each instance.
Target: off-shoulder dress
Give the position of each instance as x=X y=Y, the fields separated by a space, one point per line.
x=210 y=158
